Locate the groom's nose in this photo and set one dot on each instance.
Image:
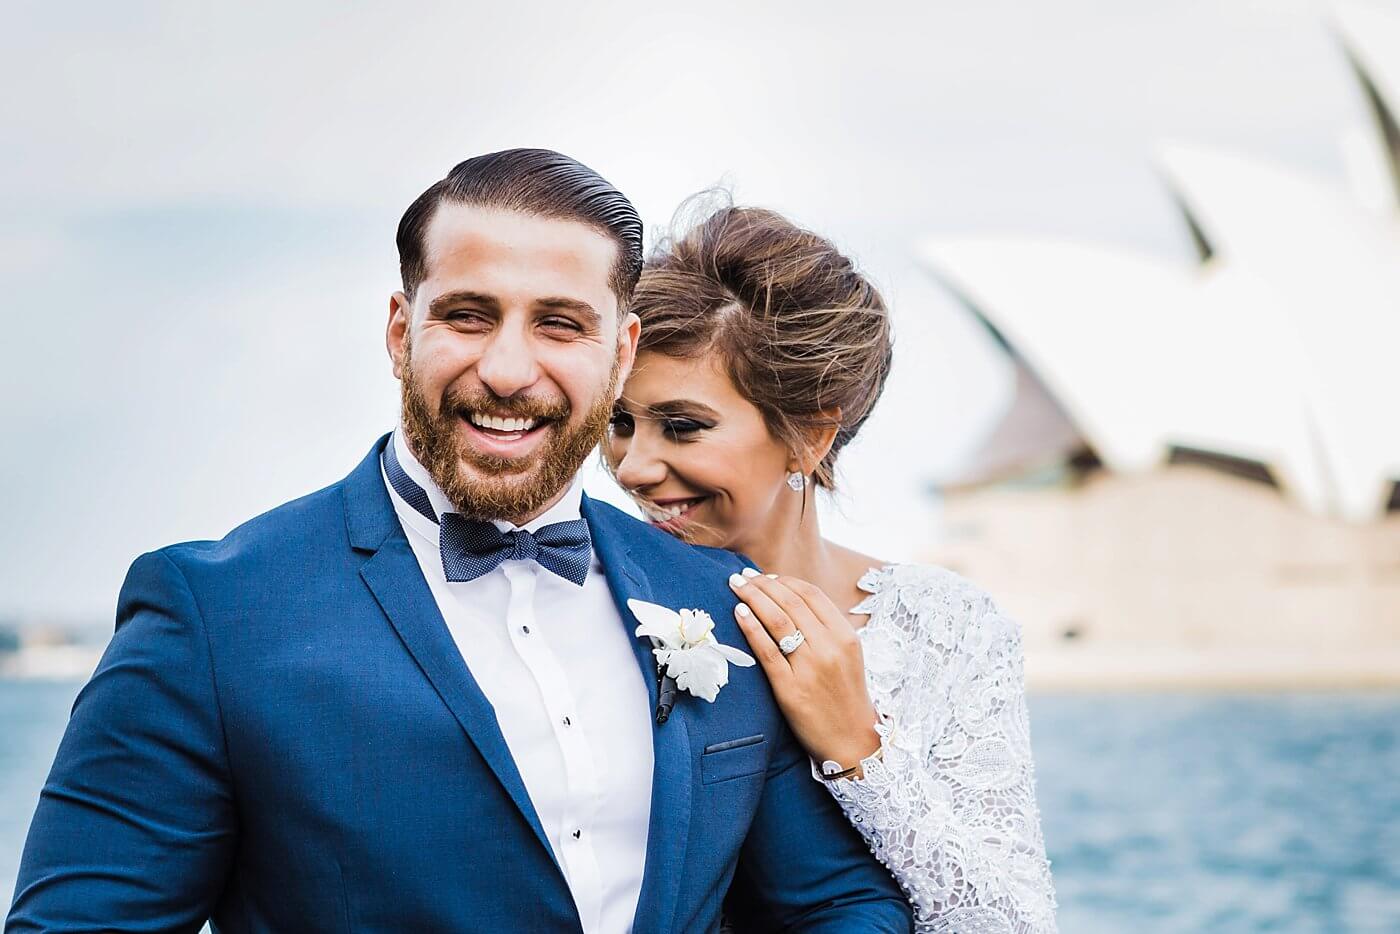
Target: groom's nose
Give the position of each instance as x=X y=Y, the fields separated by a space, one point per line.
x=508 y=364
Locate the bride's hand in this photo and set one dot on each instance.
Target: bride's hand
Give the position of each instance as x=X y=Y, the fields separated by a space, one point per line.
x=820 y=687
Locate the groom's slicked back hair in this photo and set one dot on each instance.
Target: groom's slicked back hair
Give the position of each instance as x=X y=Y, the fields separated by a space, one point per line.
x=533 y=181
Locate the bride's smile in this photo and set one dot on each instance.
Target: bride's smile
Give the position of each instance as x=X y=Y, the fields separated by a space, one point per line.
x=696 y=455
x=672 y=514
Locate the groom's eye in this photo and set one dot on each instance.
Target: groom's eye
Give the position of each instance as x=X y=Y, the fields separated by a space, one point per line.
x=468 y=319
x=561 y=324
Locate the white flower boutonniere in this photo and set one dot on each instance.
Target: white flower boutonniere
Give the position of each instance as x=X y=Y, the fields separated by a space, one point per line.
x=686 y=649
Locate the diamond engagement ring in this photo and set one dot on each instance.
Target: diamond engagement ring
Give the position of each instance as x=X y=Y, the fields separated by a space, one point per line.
x=791 y=642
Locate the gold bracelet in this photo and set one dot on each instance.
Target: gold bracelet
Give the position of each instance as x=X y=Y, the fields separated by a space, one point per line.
x=885 y=728
x=857 y=770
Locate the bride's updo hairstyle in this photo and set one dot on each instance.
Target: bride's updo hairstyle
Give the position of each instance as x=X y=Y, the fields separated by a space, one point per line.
x=801 y=331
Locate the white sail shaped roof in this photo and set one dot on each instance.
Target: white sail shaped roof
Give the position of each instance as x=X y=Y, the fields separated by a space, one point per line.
x=1141 y=355
x=1279 y=348
x=1370 y=38
x=1327 y=276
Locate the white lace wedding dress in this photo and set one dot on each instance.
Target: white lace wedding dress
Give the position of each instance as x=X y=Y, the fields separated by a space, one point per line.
x=949 y=805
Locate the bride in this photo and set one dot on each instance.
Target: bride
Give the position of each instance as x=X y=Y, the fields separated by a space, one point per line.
x=762 y=352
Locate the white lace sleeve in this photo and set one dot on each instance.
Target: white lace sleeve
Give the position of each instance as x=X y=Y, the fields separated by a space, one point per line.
x=949 y=804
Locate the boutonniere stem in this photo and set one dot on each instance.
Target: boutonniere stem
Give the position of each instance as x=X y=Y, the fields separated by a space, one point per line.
x=665 y=697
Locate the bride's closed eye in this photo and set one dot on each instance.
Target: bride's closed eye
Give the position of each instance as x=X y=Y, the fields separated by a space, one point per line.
x=621 y=424
x=683 y=429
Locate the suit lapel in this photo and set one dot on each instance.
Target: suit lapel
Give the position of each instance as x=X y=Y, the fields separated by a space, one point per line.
x=396 y=580
x=673 y=769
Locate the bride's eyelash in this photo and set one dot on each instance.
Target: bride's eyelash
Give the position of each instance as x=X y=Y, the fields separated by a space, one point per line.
x=621 y=423
x=678 y=429
x=682 y=427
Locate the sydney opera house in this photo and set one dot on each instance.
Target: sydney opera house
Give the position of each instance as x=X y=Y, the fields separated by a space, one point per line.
x=1198 y=480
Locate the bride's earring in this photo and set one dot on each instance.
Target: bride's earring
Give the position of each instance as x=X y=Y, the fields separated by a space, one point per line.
x=796 y=481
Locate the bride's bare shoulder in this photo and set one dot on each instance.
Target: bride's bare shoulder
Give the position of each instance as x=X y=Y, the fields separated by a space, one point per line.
x=854 y=563
x=855 y=568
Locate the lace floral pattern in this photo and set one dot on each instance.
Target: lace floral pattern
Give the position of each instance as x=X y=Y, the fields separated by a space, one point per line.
x=949 y=806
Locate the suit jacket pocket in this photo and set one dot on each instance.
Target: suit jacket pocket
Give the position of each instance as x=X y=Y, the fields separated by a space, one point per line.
x=734 y=759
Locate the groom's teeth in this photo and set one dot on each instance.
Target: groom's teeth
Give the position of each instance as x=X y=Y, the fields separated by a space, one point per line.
x=496 y=423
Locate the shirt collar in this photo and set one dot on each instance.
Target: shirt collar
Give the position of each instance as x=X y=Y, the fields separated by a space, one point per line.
x=569 y=506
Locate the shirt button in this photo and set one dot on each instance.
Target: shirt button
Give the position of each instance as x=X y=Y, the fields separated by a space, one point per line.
x=578 y=834
x=525 y=630
x=568 y=722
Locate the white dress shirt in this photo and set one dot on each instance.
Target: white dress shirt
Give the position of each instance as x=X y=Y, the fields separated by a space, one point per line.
x=556 y=663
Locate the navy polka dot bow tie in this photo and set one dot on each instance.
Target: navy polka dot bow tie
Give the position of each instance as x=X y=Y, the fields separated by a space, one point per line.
x=471 y=548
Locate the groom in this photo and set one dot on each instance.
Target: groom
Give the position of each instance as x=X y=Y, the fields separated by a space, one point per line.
x=413 y=701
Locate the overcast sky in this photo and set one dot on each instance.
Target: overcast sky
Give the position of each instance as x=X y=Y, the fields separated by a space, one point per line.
x=196 y=242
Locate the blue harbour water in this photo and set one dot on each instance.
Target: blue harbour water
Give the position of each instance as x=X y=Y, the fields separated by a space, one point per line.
x=1181 y=813
x=1170 y=813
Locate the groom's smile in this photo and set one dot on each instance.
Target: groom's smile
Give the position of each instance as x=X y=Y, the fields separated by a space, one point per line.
x=506 y=436
x=511 y=351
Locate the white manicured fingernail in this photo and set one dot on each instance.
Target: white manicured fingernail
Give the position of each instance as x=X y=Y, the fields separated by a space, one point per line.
x=743 y=610
x=749 y=572
x=736 y=581
x=773 y=576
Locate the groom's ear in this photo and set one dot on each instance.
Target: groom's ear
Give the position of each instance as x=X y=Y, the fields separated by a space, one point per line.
x=400 y=318
x=628 y=333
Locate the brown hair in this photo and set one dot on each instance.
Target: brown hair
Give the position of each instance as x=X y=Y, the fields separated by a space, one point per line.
x=534 y=181
x=801 y=330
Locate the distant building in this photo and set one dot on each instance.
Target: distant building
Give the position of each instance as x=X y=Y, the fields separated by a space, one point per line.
x=48 y=651
x=1183 y=576
x=1198 y=479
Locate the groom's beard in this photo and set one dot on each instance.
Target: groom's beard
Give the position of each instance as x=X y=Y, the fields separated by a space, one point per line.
x=482 y=486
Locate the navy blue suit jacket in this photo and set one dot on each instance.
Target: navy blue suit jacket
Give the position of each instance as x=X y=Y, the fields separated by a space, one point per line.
x=282 y=736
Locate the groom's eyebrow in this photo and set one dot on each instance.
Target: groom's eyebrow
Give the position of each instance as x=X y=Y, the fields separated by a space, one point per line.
x=463 y=297
x=489 y=302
